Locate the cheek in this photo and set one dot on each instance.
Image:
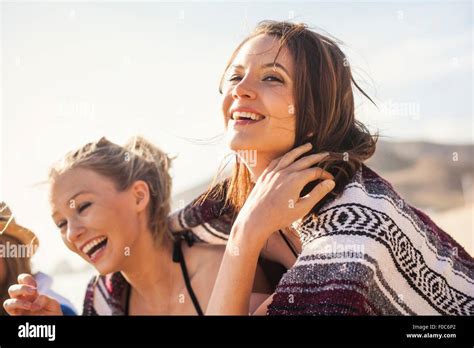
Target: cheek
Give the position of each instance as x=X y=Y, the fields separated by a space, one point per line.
x=125 y=225
x=69 y=245
x=108 y=215
x=283 y=137
x=281 y=134
x=287 y=111
x=226 y=103
x=282 y=111
x=279 y=102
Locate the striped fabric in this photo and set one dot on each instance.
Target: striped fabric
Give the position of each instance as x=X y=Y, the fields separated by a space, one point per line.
x=368 y=253
x=105 y=295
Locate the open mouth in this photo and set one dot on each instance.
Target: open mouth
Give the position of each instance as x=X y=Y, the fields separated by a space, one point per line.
x=94 y=247
x=246 y=117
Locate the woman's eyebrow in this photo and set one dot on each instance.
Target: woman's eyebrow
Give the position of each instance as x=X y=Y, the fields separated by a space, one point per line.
x=70 y=199
x=267 y=65
x=276 y=65
x=77 y=194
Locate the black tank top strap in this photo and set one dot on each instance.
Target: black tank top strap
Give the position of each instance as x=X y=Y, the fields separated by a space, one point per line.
x=290 y=245
x=128 y=291
x=179 y=257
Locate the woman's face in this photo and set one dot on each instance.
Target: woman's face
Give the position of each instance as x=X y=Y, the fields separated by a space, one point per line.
x=96 y=221
x=256 y=87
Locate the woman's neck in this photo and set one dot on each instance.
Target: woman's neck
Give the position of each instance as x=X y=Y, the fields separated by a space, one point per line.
x=150 y=269
x=257 y=163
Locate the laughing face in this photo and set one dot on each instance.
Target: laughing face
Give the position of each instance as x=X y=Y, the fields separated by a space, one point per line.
x=96 y=221
x=258 y=99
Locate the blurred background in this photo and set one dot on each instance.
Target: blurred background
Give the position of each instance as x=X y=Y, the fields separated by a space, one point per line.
x=72 y=72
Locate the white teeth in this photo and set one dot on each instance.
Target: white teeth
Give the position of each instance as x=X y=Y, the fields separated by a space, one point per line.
x=249 y=115
x=92 y=244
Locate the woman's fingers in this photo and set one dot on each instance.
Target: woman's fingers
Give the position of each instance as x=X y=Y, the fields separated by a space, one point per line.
x=47 y=305
x=271 y=166
x=281 y=184
x=42 y=301
x=27 y=279
x=306 y=162
x=15 y=306
x=307 y=202
x=22 y=299
x=311 y=174
x=23 y=291
x=292 y=155
x=25 y=300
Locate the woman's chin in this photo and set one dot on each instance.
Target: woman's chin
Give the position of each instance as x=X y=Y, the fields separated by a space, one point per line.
x=105 y=268
x=238 y=144
x=106 y=264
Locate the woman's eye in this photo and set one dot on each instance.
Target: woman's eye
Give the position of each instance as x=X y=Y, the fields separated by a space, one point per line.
x=61 y=224
x=84 y=206
x=235 y=78
x=272 y=78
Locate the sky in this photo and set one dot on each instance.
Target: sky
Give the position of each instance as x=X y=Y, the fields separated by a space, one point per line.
x=72 y=72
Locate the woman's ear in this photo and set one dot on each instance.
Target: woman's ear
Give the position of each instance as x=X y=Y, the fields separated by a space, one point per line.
x=141 y=194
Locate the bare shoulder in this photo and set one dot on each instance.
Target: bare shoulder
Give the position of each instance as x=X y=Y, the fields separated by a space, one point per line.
x=203 y=262
x=202 y=257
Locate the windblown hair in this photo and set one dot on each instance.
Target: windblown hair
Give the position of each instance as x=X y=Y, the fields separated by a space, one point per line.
x=324 y=110
x=139 y=159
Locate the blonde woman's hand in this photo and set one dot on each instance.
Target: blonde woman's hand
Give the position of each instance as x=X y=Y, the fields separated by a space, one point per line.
x=25 y=299
x=275 y=201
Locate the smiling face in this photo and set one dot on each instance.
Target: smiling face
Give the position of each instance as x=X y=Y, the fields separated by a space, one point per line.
x=258 y=102
x=96 y=221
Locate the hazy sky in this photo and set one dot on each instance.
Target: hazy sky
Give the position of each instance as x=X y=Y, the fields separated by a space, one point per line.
x=73 y=72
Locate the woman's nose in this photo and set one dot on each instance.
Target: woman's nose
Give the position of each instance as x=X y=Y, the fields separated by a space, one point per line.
x=74 y=231
x=244 y=90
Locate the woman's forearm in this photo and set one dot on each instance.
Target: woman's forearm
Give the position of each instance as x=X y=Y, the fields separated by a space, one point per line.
x=265 y=211
x=233 y=286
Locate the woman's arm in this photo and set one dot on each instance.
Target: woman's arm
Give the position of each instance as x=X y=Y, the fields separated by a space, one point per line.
x=233 y=287
x=273 y=204
x=262 y=309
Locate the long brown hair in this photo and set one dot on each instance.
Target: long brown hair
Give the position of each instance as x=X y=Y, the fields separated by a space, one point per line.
x=324 y=109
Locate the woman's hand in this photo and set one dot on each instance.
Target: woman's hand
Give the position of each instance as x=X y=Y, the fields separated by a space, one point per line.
x=275 y=201
x=25 y=299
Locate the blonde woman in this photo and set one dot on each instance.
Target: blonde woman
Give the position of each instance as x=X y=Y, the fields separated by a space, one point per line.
x=110 y=204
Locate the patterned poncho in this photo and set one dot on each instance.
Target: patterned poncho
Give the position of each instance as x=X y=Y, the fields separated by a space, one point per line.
x=368 y=252
x=106 y=295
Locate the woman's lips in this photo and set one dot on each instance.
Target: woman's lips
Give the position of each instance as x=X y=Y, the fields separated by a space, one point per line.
x=236 y=123
x=97 y=251
x=98 y=254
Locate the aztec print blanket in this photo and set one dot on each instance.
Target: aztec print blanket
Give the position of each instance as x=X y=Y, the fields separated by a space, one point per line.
x=368 y=253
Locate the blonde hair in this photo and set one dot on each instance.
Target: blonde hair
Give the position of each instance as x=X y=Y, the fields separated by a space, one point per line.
x=138 y=159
